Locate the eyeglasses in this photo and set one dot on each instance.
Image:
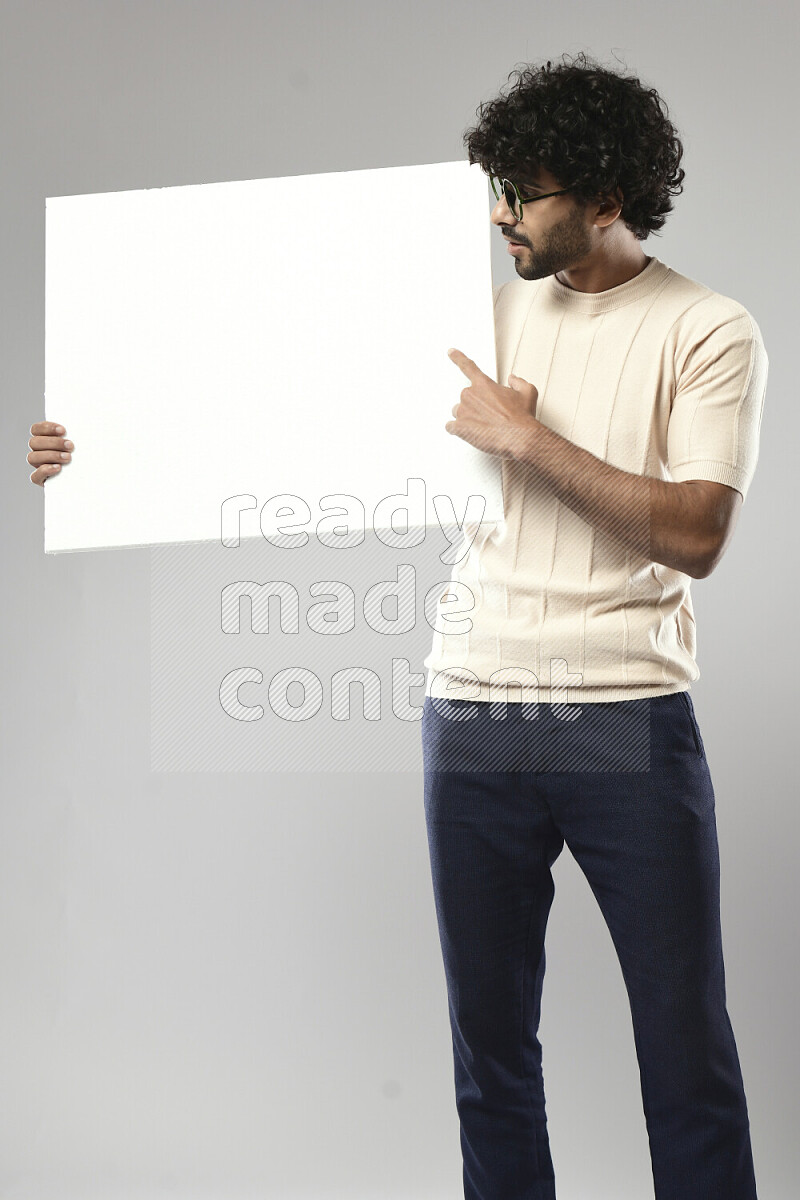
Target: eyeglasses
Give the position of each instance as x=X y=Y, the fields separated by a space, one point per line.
x=513 y=196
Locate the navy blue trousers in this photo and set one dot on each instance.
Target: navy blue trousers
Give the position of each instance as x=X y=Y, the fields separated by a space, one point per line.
x=627 y=786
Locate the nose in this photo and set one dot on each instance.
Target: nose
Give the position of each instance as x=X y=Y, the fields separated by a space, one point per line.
x=502 y=214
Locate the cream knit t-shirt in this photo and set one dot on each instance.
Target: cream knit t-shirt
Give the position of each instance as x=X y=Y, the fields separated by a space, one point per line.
x=660 y=376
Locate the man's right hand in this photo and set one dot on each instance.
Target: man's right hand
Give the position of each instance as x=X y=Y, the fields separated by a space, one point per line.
x=49 y=450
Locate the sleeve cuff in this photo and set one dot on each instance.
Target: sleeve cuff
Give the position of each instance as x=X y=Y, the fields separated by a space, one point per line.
x=716 y=472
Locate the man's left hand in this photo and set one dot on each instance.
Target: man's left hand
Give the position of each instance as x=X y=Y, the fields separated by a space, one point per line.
x=489 y=416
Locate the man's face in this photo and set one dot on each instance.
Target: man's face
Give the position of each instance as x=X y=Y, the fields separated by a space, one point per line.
x=555 y=233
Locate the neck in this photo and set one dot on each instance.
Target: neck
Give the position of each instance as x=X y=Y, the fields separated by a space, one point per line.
x=600 y=276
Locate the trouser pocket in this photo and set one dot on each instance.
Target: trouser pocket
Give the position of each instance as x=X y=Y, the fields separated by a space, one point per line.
x=698 y=741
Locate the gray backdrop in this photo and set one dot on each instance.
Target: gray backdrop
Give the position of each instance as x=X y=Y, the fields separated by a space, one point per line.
x=230 y=984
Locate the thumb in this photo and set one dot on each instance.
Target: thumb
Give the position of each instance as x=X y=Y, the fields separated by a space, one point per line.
x=527 y=389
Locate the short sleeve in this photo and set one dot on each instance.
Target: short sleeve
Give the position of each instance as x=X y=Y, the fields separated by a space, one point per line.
x=715 y=418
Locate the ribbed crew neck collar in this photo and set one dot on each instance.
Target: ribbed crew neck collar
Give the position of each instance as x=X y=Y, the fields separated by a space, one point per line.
x=653 y=275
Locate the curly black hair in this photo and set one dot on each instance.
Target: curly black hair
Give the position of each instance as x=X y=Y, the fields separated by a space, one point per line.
x=593 y=129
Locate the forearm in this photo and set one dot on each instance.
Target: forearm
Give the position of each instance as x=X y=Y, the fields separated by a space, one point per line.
x=652 y=517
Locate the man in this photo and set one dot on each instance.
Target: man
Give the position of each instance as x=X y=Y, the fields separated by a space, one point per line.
x=628 y=435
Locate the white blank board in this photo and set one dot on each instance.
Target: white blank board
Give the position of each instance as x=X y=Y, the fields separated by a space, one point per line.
x=263 y=338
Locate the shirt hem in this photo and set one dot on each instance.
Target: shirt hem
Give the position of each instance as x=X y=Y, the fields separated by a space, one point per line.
x=542 y=695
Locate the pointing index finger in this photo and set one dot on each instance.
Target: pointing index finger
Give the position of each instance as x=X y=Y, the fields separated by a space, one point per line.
x=470 y=368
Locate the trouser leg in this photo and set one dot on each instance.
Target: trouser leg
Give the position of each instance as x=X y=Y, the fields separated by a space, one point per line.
x=647 y=844
x=491 y=849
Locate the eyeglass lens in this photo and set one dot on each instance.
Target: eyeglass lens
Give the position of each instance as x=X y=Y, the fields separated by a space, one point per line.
x=509 y=193
x=511 y=199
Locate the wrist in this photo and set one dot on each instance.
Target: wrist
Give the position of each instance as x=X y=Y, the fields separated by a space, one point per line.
x=521 y=440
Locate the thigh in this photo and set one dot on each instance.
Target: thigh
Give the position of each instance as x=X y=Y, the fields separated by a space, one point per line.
x=647 y=844
x=492 y=843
